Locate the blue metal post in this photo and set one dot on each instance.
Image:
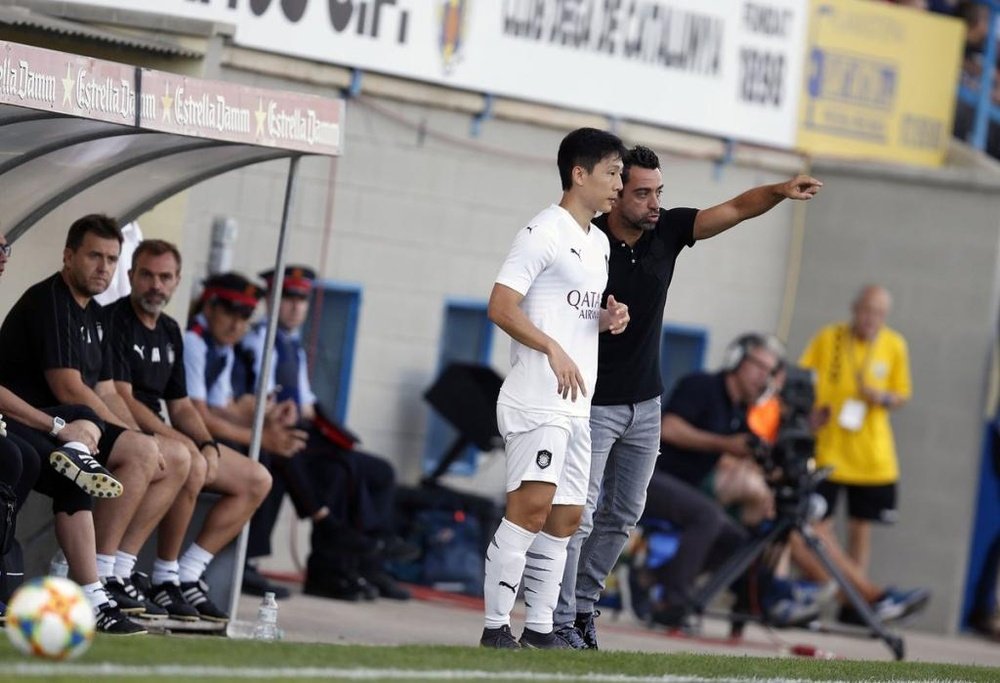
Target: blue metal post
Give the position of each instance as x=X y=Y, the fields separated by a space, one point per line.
x=980 y=129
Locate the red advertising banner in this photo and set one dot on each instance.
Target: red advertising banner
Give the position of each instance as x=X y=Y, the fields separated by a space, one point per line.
x=154 y=100
x=68 y=84
x=226 y=111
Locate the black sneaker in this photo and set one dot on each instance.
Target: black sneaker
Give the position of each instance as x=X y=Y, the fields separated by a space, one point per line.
x=196 y=595
x=533 y=640
x=255 y=583
x=140 y=582
x=587 y=628
x=571 y=636
x=81 y=468
x=169 y=597
x=499 y=639
x=338 y=586
x=985 y=622
x=111 y=620
x=396 y=549
x=671 y=616
x=125 y=594
x=386 y=585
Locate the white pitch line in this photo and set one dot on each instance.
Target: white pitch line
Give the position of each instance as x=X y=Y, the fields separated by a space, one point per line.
x=39 y=669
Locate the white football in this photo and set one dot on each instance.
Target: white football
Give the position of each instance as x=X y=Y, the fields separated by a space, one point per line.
x=50 y=617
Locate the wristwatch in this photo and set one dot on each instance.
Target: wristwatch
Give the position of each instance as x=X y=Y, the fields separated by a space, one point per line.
x=57 y=424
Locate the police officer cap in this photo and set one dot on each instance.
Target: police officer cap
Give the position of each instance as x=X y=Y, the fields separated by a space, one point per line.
x=298 y=280
x=236 y=291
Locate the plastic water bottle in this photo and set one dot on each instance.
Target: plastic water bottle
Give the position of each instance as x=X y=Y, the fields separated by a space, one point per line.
x=267 y=619
x=59 y=566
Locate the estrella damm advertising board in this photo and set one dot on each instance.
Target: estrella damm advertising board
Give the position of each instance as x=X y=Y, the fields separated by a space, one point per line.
x=880 y=82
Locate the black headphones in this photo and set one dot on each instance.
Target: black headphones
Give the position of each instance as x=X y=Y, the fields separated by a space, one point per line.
x=737 y=350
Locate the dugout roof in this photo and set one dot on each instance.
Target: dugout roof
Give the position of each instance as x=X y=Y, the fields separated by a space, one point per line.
x=83 y=135
x=88 y=135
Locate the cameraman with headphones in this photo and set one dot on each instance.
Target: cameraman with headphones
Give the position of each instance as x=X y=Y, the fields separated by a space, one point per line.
x=707 y=464
x=706 y=441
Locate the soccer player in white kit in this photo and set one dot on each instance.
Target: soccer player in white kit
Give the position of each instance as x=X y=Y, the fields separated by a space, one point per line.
x=547 y=297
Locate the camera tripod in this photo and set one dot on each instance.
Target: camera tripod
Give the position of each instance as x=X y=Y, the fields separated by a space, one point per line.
x=793 y=514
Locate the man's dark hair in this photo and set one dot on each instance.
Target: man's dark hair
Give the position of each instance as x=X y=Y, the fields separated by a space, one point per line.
x=98 y=224
x=640 y=156
x=156 y=248
x=585 y=147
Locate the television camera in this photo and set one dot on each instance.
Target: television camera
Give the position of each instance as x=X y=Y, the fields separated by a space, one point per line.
x=789 y=463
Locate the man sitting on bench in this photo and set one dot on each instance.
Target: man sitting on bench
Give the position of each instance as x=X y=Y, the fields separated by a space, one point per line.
x=147 y=364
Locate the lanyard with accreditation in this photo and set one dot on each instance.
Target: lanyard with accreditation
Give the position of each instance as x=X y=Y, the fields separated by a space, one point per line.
x=853 y=410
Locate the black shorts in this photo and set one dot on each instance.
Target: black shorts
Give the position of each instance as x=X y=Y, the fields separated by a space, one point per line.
x=871 y=503
x=108 y=438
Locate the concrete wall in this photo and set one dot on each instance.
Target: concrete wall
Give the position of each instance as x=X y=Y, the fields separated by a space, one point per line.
x=933 y=241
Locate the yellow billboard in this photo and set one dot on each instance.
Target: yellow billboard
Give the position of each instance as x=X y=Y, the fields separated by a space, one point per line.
x=880 y=82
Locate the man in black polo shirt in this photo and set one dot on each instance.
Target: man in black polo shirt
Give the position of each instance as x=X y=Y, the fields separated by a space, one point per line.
x=65 y=437
x=707 y=442
x=147 y=364
x=625 y=412
x=53 y=346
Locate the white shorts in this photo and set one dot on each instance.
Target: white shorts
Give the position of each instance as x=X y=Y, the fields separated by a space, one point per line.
x=547 y=447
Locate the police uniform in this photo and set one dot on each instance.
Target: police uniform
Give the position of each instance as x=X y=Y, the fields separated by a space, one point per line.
x=208 y=369
x=371 y=481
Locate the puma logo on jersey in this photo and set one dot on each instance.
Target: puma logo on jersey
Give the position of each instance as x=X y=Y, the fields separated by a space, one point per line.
x=577 y=252
x=138 y=349
x=530 y=228
x=513 y=589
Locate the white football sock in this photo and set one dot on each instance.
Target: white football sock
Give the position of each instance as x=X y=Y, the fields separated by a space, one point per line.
x=165 y=571
x=504 y=566
x=543 y=572
x=105 y=565
x=124 y=564
x=96 y=594
x=193 y=563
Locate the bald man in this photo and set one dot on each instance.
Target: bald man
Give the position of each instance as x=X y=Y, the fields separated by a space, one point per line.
x=862 y=374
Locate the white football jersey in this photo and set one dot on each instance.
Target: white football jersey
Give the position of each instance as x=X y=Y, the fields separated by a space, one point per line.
x=561 y=271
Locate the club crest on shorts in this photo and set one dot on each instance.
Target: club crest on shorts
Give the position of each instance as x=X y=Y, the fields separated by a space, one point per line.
x=543 y=459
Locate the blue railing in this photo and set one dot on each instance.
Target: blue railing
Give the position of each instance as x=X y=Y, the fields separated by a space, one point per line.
x=981 y=100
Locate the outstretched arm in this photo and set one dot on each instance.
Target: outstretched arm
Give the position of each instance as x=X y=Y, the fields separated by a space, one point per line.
x=752 y=203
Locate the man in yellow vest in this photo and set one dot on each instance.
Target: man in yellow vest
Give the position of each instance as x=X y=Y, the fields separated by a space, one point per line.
x=862 y=374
